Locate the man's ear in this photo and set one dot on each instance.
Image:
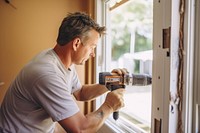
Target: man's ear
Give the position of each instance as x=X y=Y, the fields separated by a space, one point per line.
x=76 y=43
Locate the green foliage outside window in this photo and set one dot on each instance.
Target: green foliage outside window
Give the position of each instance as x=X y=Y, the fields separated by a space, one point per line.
x=131 y=18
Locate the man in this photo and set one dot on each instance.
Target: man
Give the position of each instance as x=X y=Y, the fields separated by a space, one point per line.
x=43 y=91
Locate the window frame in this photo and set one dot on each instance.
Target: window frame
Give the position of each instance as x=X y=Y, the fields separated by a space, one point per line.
x=190 y=87
x=102 y=61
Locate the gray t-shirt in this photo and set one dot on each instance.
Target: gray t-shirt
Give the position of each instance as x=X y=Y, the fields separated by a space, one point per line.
x=40 y=95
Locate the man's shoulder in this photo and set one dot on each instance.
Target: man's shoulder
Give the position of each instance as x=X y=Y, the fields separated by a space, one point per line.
x=41 y=65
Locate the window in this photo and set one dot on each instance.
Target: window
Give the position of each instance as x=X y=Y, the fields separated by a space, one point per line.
x=128 y=44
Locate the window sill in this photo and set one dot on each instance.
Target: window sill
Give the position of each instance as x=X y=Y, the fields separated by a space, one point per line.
x=120 y=126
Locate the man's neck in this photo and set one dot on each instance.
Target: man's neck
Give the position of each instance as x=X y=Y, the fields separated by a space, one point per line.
x=64 y=55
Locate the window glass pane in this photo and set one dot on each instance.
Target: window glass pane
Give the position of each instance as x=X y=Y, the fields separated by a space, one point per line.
x=131 y=38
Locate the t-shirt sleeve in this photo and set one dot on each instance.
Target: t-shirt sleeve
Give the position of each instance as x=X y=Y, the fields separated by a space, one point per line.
x=52 y=93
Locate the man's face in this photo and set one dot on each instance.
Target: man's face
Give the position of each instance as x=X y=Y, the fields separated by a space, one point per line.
x=87 y=48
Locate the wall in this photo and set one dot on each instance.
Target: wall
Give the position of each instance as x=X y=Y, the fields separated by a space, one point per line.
x=27 y=30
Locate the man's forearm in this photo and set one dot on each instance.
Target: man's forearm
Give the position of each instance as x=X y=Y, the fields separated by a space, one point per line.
x=90 y=123
x=89 y=92
x=97 y=118
x=93 y=121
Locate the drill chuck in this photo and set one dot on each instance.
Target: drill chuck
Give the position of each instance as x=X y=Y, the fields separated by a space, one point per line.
x=138 y=79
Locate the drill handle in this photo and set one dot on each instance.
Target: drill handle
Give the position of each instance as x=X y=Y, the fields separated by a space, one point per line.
x=112 y=87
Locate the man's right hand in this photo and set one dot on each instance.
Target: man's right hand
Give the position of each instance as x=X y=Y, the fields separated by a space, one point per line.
x=115 y=99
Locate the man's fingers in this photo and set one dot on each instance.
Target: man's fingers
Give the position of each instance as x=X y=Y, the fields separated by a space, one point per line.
x=124 y=71
x=117 y=71
x=120 y=71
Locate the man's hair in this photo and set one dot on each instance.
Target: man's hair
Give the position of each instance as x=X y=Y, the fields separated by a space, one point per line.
x=77 y=24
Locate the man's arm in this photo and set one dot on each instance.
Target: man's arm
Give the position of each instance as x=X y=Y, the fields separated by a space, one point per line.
x=88 y=92
x=93 y=121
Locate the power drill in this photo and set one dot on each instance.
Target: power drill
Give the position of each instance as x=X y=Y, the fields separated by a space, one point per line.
x=113 y=81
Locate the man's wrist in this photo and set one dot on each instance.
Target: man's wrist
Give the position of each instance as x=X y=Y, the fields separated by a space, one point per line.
x=108 y=107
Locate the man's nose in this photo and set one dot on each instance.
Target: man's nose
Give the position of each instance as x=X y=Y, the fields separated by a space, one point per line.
x=92 y=54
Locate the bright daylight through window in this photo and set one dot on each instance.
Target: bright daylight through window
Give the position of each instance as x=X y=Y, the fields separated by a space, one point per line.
x=130 y=25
